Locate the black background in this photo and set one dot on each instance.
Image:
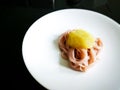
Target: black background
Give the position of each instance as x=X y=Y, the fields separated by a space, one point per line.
x=16 y=16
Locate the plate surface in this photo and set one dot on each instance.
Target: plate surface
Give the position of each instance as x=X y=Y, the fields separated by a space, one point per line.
x=42 y=55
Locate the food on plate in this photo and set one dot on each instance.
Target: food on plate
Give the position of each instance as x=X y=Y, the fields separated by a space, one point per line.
x=80 y=39
x=80 y=48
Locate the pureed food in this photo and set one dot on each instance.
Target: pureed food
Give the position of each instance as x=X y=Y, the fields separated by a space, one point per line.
x=80 y=48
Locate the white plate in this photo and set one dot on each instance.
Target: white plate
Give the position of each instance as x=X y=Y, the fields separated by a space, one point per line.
x=42 y=56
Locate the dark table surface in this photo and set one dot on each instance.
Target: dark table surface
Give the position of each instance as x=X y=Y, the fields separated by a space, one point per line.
x=15 y=21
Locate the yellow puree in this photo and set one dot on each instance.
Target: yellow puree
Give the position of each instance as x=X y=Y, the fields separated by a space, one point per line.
x=80 y=39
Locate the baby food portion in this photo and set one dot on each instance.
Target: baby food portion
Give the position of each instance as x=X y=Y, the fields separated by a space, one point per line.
x=80 y=48
x=80 y=39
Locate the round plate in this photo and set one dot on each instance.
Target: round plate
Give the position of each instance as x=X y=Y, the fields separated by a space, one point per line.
x=42 y=55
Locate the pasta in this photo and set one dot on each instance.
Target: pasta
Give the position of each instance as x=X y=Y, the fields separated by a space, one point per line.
x=79 y=58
